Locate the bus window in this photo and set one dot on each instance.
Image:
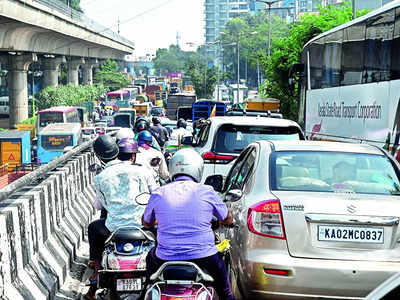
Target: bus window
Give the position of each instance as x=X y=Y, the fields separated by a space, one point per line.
x=50 y=117
x=332 y=56
x=395 y=61
x=353 y=54
x=378 y=42
x=126 y=96
x=316 y=54
x=72 y=116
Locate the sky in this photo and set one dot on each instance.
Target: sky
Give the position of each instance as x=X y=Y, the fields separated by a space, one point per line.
x=151 y=24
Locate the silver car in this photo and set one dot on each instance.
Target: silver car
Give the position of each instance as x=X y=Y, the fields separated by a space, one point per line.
x=315 y=219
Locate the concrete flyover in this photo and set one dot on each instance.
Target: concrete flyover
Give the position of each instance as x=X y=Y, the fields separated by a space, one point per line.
x=32 y=30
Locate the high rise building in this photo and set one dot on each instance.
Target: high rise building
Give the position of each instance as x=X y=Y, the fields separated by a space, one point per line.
x=216 y=17
x=217 y=14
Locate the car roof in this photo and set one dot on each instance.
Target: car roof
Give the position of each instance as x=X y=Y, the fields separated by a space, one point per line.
x=253 y=121
x=291 y=145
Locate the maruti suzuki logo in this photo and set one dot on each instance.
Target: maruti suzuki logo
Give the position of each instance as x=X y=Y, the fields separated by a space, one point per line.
x=351 y=209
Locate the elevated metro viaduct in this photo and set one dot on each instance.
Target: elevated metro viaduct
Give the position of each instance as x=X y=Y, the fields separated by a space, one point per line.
x=49 y=31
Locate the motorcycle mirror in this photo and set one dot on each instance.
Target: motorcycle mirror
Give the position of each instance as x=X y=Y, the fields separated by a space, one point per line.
x=155 y=161
x=143 y=198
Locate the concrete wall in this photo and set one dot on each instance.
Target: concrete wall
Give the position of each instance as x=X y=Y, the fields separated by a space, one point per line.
x=41 y=226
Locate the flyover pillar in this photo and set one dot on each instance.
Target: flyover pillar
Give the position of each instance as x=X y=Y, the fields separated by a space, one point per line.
x=88 y=71
x=73 y=66
x=50 y=70
x=121 y=66
x=18 y=87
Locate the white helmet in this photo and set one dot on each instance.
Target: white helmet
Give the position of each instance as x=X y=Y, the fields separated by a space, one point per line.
x=186 y=162
x=124 y=133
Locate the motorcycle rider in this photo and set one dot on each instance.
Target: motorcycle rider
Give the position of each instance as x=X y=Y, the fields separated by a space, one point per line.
x=143 y=124
x=150 y=156
x=181 y=130
x=159 y=131
x=183 y=211
x=124 y=133
x=116 y=189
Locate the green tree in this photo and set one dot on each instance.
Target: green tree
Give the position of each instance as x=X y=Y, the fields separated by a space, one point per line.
x=286 y=52
x=171 y=60
x=109 y=77
x=69 y=95
x=203 y=78
x=252 y=33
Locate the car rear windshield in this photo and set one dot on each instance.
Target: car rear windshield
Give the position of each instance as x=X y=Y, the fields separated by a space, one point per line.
x=333 y=172
x=233 y=139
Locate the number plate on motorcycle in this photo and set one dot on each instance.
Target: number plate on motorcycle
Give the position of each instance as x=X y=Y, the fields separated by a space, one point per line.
x=131 y=284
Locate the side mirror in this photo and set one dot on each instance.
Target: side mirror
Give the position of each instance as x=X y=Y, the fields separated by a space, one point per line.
x=216 y=181
x=233 y=195
x=142 y=199
x=187 y=140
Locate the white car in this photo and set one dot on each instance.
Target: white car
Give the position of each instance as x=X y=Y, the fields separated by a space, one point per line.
x=221 y=139
x=89 y=132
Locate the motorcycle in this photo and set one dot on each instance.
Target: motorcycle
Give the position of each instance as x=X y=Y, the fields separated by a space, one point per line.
x=185 y=280
x=123 y=272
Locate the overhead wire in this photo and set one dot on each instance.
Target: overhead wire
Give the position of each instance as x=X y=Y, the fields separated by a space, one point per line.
x=122 y=22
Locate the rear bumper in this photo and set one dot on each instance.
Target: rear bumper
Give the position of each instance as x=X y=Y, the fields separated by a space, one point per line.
x=312 y=278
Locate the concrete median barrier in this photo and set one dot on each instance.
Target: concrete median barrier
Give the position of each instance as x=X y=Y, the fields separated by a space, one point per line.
x=42 y=224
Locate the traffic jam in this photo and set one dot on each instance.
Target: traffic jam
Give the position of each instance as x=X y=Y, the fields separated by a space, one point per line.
x=200 y=199
x=203 y=199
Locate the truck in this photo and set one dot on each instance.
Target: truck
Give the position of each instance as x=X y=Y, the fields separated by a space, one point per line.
x=202 y=109
x=177 y=100
x=151 y=90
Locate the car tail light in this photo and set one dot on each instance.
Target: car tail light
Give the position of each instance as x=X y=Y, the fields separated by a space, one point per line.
x=213 y=158
x=265 y=218
x=276 y=272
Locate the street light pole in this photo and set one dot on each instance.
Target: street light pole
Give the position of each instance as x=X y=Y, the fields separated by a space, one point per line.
x=238 y=67
x=269 y=3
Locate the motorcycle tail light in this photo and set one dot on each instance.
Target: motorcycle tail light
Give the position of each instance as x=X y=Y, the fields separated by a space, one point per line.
x=265 y=218
x=113 y=262
x=142 y=262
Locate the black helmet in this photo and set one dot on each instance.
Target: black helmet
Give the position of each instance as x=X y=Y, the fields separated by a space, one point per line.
x=141 y=125
x=156 y=120
x=181 y=123
x=142 y=119
x=105 y=148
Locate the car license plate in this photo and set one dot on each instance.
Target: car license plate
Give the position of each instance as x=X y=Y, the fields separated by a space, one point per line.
x=350 y=234
x=131 y=284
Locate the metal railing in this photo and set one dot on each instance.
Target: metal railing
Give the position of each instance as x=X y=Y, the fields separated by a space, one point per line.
x=80 y=17
x=3 y=169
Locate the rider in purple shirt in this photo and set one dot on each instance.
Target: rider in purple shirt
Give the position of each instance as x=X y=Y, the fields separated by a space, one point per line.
x=183 y=211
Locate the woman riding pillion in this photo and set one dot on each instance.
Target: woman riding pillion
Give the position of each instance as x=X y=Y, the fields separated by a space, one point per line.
x=184 y=210
x=116 y=189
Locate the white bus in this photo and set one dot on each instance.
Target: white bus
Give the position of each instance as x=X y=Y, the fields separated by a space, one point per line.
x=350 y=84
x=5 y=106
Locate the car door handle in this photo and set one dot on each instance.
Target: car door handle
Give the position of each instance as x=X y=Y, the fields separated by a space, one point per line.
x=352 y=220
